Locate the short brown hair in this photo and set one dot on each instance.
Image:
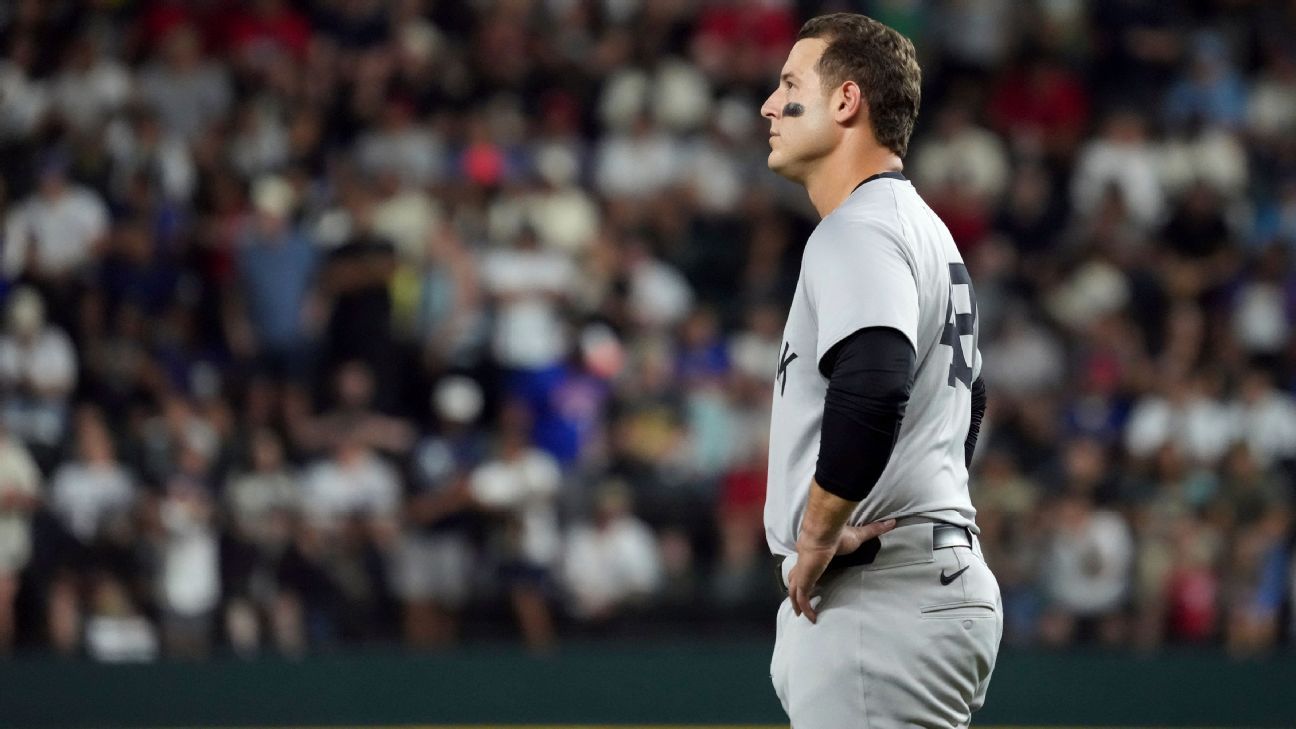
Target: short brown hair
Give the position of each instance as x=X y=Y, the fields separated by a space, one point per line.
x=881 y=61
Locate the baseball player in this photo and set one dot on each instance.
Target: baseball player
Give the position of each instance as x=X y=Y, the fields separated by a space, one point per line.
x=892 y=617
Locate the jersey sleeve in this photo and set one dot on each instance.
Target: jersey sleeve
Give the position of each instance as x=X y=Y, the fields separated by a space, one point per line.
x=859 y=276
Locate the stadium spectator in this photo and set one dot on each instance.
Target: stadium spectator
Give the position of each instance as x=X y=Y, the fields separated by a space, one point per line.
x=1086 y=569
x=1121 y=162
x=258 y=144
x=269 y=28
x=1041 y=106
x=638 y=163
x=20 y=496
x=658 y=296
x=24 y=100
x=1006 y=499
x=277 y=265
x=94 y=498
x=187 y=91
x=1211 y=90
x=610 y=564
x=517 y=489
x=1186 y=418
x=38 y=371
x=529 y=286
x=188 y=577
x=354 y=416
x=402 y=147
x=450 y=323
x=90 y=88
x=116 y=631
x=741 y=572
x=963 y=158
x=352 y=483
x=54 y=234
x=338 y=571
x=262 y=505
x=354 y=282
x=435 y=562
x=1267 y=419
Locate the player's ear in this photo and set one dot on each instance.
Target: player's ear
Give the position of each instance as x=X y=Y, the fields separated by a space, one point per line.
x=848 y=101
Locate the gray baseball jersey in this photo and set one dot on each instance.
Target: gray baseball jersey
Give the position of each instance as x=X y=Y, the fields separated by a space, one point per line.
x=881 y=259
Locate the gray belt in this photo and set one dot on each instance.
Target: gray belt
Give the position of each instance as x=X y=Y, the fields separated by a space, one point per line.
x=944 y=536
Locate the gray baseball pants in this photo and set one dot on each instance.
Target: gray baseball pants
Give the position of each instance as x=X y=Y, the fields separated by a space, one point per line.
x=900 y=642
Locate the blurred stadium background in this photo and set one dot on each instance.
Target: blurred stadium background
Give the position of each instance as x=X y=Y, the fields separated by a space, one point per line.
x=408 y=361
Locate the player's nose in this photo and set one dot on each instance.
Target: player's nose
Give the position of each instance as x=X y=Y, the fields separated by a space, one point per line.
x=770 y=108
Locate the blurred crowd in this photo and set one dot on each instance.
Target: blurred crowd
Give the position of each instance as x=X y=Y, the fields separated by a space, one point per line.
x=330 y=322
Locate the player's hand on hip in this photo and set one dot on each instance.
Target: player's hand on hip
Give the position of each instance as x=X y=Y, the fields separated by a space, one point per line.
x=813 y=559
x=810 y=565
x=853 y=537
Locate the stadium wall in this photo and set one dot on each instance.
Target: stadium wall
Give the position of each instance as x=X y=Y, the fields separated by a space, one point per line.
x=698 y=683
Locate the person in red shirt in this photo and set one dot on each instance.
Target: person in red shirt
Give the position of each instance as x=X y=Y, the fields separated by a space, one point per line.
x=266 y=28
x=1041 y=102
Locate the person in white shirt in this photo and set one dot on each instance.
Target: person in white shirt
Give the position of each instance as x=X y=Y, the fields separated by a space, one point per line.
x=19 y=497
x=53 y=234
x=139 y=145
x=353 y=483
x=188 y=577
x=1123 y=159
x=1271 y=105
x=530 y=285
x=964 y=156
x=1266 y=418
x=1087 y=570
x=519 y=489
x=343 y=558
x=658 y=296
x=93 y=498
x=1185 y=411
x=116 y=631
x=89 y=492
x=611 y=562
x=38 y=370
x=637 y=164
x=23 y=98
x=565 y=215
x=90 y=87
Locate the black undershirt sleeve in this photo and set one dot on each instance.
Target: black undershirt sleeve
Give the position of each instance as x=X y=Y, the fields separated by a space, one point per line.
x=974 y=426
x=870 y=375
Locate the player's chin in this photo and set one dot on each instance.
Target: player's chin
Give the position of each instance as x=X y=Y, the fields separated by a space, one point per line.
x=777 y=161
x=784 y=167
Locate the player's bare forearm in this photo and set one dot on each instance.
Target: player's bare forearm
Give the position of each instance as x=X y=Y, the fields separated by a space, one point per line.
x=823 y=535
x=825 y=515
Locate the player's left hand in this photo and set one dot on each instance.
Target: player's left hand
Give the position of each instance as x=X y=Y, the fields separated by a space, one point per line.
x=813 y=559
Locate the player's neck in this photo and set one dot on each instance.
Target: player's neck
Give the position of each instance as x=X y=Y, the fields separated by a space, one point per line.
x=837 y=177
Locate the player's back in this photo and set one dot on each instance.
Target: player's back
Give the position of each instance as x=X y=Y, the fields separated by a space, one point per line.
x=882 y=258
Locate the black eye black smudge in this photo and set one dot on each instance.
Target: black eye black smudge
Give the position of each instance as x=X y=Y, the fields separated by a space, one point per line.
x=793 y=109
